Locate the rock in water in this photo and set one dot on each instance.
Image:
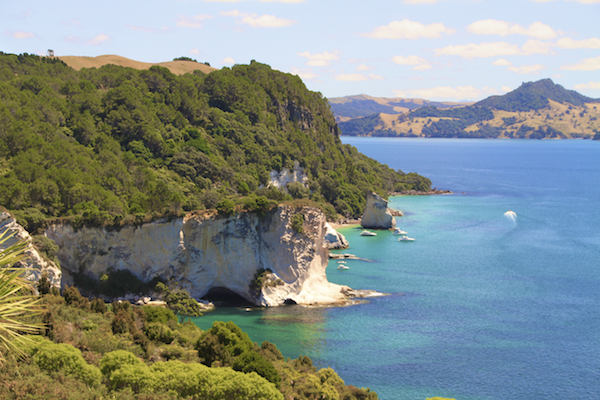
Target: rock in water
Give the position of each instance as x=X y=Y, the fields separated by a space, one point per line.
x=333 y=239
x=377 y=215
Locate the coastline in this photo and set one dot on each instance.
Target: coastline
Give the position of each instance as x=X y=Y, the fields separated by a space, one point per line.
x=433 y=192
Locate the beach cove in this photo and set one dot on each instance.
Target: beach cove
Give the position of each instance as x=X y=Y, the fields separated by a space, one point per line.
x=481 y=306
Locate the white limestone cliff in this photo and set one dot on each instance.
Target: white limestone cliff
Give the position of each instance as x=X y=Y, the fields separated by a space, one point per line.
x=281 y=179
x=35 y=265
x=377 y=215
x=333 y=239
x=203 y=251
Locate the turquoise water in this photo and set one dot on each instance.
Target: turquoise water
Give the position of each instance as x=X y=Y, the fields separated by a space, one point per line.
x=481 y=306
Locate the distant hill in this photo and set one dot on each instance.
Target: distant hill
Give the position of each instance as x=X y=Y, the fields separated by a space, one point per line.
x=348 y=107
x=535 y=110
x=177 y=67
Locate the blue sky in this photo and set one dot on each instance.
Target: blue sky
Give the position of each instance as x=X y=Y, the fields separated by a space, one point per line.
x=449 y=50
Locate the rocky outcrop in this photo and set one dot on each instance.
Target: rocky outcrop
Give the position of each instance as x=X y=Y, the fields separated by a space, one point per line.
x=281 y=179
x=207 y=251
x=333 y=239
x=377 y=215
x=34 y=264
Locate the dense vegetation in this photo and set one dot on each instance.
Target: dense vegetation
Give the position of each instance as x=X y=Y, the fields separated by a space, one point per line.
x=116 y=145
x=91 y=351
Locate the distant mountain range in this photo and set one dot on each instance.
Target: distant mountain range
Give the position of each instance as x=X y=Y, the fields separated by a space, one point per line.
x=536 y=110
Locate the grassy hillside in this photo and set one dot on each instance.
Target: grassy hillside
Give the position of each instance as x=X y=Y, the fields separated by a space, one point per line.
x=115 y=145
x=349 y=107
x=536 y=110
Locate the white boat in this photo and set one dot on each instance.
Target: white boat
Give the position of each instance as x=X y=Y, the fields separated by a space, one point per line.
x=342 y=266
x=406 y=239
x=341 y=262
x=399 y=231
x=367 y=233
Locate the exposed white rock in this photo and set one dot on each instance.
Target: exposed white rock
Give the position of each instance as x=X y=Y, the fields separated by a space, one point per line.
x=35 y=265
x=377 y=215
x=334 y=239
x=281 y=179
x=203 y=252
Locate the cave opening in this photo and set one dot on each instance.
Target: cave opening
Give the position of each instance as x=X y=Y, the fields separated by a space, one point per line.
x=223 y=297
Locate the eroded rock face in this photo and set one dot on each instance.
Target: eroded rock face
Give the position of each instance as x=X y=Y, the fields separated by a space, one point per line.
x=333 y=239
x=35 y=264
x=281 y=179
x=203 y=252
x=377 y=215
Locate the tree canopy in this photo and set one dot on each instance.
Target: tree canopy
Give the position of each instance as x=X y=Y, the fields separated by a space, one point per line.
x=114 y=144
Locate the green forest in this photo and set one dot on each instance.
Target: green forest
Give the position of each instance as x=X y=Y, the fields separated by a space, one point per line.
x=115 y=145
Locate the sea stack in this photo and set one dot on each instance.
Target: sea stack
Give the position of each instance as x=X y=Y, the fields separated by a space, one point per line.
x=377 y=215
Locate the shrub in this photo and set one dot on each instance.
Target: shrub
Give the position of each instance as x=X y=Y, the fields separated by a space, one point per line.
x=98 y=306
x=75 y=299
x=159 y=332
x=251 y=361
x=297 y=222
x=225 y=207
x=67 y=359
x=123 y=323
x=159 y=314
x=115 y=360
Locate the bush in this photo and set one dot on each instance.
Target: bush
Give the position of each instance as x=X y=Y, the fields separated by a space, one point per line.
x=75 y=299
x=65 y=358
x=123 y=323
x=159 y=314
x=98 y=306
x=251 y=361
x=225 y=207
x=297 y=222
x=117 y=359
x=159 y=332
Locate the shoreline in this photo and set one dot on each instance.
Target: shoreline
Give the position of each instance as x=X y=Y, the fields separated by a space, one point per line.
x=433 y=192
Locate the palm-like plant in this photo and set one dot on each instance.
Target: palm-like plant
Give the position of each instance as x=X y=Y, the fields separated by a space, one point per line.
x=17 y=303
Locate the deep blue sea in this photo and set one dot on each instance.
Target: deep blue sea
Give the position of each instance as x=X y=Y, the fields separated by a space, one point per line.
x=481 y=306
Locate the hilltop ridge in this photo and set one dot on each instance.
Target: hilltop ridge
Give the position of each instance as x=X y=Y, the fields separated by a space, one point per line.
x=535 y=110
x=177 y=67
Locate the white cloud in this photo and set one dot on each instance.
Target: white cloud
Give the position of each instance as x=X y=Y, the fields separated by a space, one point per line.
x=264 y=21
x=306 y=74
x=502 y=62
x=447 y=92
x=19 y=34
x=228 y=61
x=526 y=69
x=406 y=29
x=357 y=77
x=589 y=85
x=483 y=50
x=418 y=63
x=194 y=51
x=267 y=21
x=321 y=59
x=537 y=47
x=505 y=89
x=99 y=39
x=192 y=22
x=536 y=30
x=495 y=49
x=589 y=64
x=568 y=43
x=363 y=67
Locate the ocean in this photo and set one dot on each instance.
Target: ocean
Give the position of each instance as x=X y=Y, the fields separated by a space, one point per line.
x=481 y=306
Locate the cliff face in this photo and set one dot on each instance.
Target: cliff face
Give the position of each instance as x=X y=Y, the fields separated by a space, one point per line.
x=377 y=214
x=35 y=264
x=203 y=252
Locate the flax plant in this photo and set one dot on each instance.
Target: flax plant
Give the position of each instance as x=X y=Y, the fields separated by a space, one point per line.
x=17 y=302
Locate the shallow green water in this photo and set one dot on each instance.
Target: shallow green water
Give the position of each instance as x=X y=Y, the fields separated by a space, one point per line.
x=480 y=306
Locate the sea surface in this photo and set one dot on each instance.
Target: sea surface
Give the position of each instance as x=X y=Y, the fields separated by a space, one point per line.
x=480 y=306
